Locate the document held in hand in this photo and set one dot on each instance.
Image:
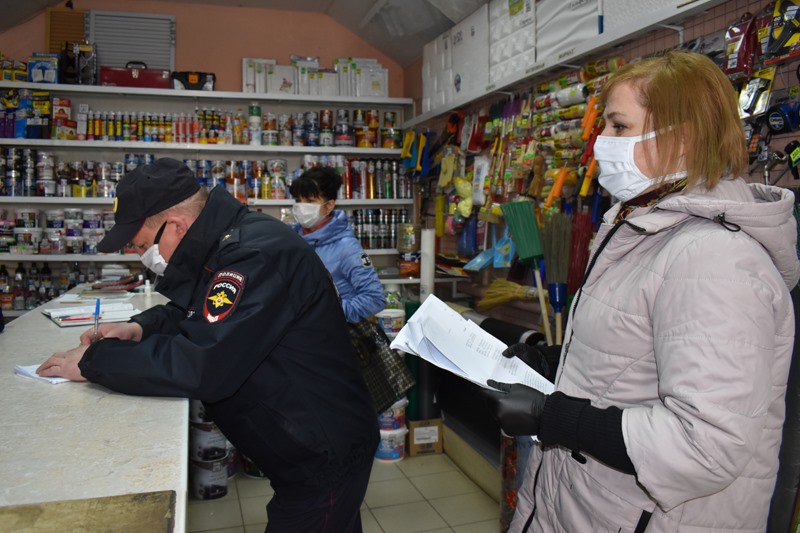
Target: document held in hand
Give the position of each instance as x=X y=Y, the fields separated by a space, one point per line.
x=441 y=336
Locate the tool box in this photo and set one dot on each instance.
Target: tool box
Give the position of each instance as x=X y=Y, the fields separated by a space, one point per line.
x=135 y=74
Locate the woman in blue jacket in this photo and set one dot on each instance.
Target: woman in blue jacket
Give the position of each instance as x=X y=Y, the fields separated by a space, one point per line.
x=327 y=230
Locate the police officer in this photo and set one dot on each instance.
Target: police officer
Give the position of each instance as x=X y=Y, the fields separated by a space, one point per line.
x=254 y=329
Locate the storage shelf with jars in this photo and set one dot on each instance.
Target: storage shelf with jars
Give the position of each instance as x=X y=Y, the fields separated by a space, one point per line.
x=117 y=128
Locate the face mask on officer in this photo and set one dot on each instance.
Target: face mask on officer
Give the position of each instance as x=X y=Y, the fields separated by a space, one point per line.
x=152 y=259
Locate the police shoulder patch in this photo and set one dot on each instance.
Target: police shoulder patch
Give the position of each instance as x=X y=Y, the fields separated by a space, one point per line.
x=223 y=294
x=365 y=260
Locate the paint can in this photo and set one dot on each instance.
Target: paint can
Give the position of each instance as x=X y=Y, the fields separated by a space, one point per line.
x=206 y=441
x=343 y=135
x=392 y=447
x=209 y=478
x=391 y=321
x=391 y=138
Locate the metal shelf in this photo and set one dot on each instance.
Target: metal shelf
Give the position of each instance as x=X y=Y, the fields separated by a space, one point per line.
x=197 y=147
x=56 y=200
x=83 y=258
x=95 y=90
x=344 y=202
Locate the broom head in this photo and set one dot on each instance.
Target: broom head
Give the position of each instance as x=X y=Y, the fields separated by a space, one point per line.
x=521 y=220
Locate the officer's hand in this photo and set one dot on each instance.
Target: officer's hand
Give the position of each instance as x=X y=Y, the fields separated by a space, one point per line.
x=126 y=331
x=518 y=408
x=543 y=359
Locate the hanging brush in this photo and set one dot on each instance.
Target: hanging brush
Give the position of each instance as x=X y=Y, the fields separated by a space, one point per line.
x=556 y=236
x=521 y=220
x=582 y=230
x=502 y=291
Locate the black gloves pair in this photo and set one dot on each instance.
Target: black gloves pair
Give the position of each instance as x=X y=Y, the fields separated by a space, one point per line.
x=557 y=418
x=522 y=410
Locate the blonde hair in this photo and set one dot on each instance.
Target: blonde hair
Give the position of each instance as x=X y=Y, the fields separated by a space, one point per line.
x=694 y=110
x=190 y=207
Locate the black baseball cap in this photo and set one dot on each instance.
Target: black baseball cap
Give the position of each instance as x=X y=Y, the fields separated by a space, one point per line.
x=144 y=192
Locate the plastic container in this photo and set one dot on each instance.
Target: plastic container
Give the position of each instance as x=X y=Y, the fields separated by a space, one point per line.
x=394 y=417
x=391 y=321
x=27 y=218
x=206 y=442
x=54 y=218
x=209 y=478
x=392 y=447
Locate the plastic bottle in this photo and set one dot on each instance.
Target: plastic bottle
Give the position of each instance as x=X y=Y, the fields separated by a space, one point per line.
x=394 y=298
x=19 y=286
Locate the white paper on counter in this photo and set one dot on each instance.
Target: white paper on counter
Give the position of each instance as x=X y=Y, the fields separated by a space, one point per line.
x=29 y=371
x=441 y=336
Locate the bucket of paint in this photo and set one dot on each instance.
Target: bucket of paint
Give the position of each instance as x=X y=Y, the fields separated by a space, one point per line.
x=197 y=412
x=232 y=458
x=209 y=478
x=250 y=469
x=392 y=447
x=391 y=321
x=206 y=441
x=395 y=416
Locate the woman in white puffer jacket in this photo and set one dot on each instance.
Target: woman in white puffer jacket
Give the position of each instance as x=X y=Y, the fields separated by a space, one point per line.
x=670 y=389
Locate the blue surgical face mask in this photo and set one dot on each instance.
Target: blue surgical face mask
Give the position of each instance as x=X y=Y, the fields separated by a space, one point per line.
x=152 y=259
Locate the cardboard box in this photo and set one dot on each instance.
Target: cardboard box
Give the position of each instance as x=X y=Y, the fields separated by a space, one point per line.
x=425 y=437
x=470 y=53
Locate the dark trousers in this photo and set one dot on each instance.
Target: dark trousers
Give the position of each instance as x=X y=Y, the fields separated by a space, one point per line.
x=309 y=510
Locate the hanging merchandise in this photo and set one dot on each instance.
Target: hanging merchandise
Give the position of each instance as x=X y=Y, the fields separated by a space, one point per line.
x=504 y=251
x=556 y=237
x=739 y=47
x=783 y=117
x=754 y=96
x=792 y=151
x=785 y=34
x=521 y=219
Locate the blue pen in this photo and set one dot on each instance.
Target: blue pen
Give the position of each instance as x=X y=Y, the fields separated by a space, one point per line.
x=96 y=318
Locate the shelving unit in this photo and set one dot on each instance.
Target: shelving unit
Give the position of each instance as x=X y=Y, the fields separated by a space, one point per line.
x=127 y=99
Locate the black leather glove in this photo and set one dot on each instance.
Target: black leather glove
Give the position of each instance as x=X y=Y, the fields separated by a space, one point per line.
x=518 y=408
x=543 y=359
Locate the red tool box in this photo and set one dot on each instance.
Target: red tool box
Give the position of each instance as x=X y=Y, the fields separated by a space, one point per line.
x=135 y=74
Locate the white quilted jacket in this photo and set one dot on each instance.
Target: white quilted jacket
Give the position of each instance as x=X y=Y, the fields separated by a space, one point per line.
x=688 y=326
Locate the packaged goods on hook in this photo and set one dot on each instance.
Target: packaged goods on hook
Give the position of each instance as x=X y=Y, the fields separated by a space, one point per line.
x=739 y=46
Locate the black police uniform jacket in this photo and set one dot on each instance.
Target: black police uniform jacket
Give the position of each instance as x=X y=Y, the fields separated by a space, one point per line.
x=255 y=330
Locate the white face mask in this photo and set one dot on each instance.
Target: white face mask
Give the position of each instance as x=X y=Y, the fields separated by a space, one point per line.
x=307 y=214
x=152 y=259
x=619 y=174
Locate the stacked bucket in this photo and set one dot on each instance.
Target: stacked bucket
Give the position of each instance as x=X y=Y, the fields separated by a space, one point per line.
x=212 y=458
x=392 y=422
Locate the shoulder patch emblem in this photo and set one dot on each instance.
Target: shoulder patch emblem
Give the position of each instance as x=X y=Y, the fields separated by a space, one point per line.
x=224 y=293
x=365 y=260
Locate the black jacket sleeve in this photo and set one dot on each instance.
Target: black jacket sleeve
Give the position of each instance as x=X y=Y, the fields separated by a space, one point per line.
x=160 y=319
x=577 y=425
x=196 y=358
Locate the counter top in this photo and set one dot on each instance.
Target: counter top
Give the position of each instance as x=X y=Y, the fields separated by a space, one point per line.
x=80 y=440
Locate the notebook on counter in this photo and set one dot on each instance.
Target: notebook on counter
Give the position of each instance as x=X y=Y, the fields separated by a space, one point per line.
x=84 y=315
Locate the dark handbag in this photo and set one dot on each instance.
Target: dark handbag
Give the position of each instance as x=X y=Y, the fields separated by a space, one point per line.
x=384 y=369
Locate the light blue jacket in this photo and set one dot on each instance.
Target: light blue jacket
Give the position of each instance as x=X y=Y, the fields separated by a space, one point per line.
x=350 y=266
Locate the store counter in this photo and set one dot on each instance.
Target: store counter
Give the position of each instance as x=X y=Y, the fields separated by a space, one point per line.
x=81 y=441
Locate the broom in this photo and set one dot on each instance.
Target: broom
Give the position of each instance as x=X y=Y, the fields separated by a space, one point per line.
x=501 y=291
x=521 y=220
x=579 y=249
x=556 y=234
